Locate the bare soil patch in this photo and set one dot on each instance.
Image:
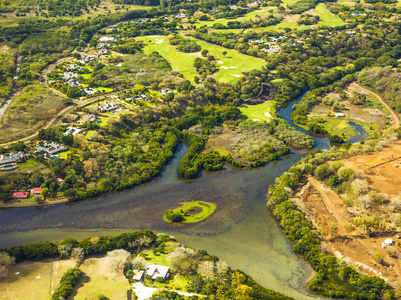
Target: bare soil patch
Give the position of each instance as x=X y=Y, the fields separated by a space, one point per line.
x=323 y=208
x=383 y=168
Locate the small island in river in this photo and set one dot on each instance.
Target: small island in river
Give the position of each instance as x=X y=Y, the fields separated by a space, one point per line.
x=192 y=212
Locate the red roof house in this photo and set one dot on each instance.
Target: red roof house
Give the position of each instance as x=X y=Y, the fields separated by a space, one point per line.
x=59 y=180
x=36 y=190
x=20 y=195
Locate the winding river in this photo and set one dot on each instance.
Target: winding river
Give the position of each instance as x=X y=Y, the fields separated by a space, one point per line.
x=242 y=231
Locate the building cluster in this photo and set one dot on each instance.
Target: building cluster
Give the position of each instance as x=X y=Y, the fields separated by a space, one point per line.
x=257 y=41
x=139 y=97
x=180 y=16
x=13 y=158
x=154 y=271
x=105 y=39
x=106 y=107
x=164 y=92
x=50 y=148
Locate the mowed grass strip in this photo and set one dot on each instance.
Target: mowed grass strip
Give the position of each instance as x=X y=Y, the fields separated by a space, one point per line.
x=207 y=210
x=257 y=112
x=231 y=66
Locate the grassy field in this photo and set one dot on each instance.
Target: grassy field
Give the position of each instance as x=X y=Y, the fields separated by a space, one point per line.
x=98 y=279
x=257 y=112
x=231 y=66
x=29 y=163
x=207 y=209
x=262 y=11
x=36 y=280
x=326 y=19
x=11 y=19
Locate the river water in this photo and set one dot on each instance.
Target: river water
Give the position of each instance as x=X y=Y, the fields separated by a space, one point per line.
x=241 y=232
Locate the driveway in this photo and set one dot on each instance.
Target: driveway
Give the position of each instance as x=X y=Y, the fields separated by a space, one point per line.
x=145 y=293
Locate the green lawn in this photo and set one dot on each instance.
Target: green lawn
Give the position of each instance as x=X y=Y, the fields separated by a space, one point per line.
x=207 y=210
x=104 y=121
x=105 y=89
x=326 y=17
x=89 y=133
x=257 y=112
x=29 y=163
x=231 y=68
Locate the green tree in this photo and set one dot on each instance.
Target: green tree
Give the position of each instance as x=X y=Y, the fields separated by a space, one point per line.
x=322 y=172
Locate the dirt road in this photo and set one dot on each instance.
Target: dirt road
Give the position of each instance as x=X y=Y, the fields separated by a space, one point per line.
x=396 y=119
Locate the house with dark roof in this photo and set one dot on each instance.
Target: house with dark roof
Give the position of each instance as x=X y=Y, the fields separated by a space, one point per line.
x=50 y=148
x=13 y=158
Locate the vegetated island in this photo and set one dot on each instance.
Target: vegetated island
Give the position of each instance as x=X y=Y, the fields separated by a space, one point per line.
x=192 y=212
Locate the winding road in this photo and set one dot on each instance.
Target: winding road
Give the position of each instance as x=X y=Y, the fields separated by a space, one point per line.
x=396 y=119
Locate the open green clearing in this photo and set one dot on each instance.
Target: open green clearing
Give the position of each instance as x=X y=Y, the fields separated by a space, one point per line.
x=262 y=11
x=326 y=19
x=207 y=209
x=231 y=66
x=29 y=163
x=257 y=112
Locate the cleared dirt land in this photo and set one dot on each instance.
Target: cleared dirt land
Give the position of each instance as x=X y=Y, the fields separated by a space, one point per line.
x=324 y=208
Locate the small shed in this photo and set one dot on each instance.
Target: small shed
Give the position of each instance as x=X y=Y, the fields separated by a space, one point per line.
x=389 y=242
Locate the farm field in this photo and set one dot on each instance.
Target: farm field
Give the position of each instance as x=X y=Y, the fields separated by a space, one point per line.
x=231 y=66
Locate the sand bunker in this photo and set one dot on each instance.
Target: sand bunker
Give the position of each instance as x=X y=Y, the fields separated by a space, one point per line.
x=219 y=62
x=233 y=67
x=159 y=41
x=223 y=67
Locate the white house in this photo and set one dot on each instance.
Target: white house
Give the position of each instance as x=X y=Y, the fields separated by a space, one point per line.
x=156 y=271
x=105 y=39
x=73 y=131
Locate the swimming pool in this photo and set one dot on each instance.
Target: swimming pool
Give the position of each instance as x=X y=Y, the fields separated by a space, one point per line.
x=53 y=157
x=99 y=122
x=9 y=167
